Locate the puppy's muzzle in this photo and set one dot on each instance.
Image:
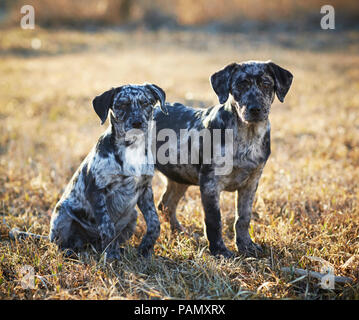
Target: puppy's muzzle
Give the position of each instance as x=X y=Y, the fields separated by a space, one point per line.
x=254 y=113
x=254 y=110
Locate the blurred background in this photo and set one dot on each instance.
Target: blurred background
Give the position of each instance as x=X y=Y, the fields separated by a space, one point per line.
x=222 y=15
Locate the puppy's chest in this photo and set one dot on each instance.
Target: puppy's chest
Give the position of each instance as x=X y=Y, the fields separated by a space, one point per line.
x=126 y=186
x=249 y=156
x=137 y=161
x=247 y=163
x=122 y=195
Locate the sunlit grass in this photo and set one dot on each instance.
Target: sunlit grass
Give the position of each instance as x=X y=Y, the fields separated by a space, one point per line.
x=307 y=200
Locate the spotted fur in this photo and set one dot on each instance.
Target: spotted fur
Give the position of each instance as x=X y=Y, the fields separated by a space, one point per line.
x=98 y=205
x=245 y=91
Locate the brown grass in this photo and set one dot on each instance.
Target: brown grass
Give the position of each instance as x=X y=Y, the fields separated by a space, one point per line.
x=306 y=204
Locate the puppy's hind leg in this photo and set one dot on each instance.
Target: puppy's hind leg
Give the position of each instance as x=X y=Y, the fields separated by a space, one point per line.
x=65 y=231
x=169 y=201
x=61 y=229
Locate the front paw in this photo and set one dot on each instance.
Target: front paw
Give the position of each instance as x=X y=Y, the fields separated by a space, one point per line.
x=176 y=227
x=219 y=251
x=249 y=248
x=113 y=255
x=145 y=252
x=70 y=254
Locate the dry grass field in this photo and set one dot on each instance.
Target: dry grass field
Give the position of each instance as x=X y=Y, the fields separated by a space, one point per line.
x=307 y=200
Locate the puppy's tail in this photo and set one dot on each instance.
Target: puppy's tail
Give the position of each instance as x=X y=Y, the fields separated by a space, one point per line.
x=16 y=234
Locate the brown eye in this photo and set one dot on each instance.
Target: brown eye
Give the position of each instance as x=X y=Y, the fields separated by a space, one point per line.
x=243 y=84
x=145 y=103
x=265 y=84
x=125 y=104
x=149 y=104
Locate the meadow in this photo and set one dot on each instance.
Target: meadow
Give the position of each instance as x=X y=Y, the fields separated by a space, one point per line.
x=306 y=204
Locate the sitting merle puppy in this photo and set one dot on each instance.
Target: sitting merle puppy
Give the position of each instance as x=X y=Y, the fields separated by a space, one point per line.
x=98 y=205
x=245 y=91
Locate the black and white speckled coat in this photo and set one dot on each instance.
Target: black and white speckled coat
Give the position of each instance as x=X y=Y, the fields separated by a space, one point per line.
x=246 y=92
x=98 y=205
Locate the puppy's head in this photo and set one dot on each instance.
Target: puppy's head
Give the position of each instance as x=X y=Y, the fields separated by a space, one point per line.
x=252 y=85
x=131 y=106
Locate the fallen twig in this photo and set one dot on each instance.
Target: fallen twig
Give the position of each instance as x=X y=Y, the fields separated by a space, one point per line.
x=16 y=234
x=317 y=275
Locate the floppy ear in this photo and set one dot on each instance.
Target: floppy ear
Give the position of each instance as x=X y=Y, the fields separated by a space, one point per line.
x=221 y=82
x=282 y=80
x=102 y=104
x=160 y=96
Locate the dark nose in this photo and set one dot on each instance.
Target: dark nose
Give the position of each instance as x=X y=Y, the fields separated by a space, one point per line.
x=137 y=124
x=255 y=109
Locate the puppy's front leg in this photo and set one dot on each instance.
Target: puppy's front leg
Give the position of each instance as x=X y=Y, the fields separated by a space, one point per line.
x=245 y=197
x=146 y=204
x=210 y=201
x=105 y=225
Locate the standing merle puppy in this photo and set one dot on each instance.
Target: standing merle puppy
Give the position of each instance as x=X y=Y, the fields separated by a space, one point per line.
x=98 y=205
x=245 y=91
